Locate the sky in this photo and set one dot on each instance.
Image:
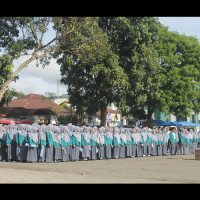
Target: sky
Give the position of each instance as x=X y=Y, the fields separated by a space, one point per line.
x=39 y=80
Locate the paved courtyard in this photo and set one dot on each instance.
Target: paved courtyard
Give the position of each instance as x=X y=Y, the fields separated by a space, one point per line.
x=163 y=169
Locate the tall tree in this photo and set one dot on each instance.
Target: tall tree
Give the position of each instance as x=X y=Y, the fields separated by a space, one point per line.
x=180 y=60
x=133 y=40
x=95 y=79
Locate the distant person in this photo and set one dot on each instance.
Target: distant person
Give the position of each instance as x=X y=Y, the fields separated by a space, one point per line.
x=172 y=139
x=49 y=143
x=11 y=142
x=3 y=147
x=32 y=142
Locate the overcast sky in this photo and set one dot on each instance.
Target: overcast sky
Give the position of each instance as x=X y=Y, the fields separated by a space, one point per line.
x=38 y=80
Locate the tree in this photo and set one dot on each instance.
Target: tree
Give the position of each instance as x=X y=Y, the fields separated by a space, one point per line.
x=180 y=60
x=95 y=79
x=133 y=40
x=5 y=72
x=20 y=36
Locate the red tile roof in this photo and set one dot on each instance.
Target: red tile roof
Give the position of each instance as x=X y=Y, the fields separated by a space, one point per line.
x=35 y=101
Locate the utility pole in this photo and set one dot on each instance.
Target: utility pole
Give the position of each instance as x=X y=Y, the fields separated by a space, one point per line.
x=58 y=88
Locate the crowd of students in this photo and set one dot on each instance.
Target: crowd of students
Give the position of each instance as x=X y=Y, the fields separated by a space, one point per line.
x=50 y=143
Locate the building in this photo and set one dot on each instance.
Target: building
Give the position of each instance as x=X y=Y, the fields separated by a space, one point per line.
x=34 y=108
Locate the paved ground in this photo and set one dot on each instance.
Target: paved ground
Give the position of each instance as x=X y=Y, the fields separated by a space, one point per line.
x=163 y=169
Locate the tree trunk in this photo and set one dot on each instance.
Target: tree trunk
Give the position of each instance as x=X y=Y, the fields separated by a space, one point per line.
x=150 y=112
x=22 y=66
x=103 y=114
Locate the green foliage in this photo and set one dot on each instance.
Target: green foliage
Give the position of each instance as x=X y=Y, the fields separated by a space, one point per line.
x=133 y=41
x=6 y=68
x=130 y=61
x=180 y=60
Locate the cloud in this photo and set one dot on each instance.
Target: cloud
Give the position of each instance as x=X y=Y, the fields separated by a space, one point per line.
x=49 y=73
x=23 y=86
x=38 y=80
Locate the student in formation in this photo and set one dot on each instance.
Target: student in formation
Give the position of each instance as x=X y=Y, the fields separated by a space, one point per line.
x=109 y=142
x=32 y=143
x=76 y=143
x=154 y=142
x=128 y=143
x=85 y=141
x=22 y=149
x=149 y=142
x=195 y=140
x=66 y=141
x=123 y=141
x=191 y=141
x=41 y=142
x=144 y=141
x=187 y=142
x=93 y=141
x=57 y=145
x=11 y=142
x=3 y=153
x=132 y=143
x=165 y=142
x=116 y=142
x=138 y=143
x=101 y=143
x=49 y=143
x=172 y=139
x=160 y=142
x=71 y=129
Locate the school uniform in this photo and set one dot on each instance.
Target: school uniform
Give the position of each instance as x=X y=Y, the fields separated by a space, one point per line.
x=11 y=142
x=42 y=143
x=144 y=142
x=187 y=143
x=76 y=144
x=128 y=143
x=85 y=140
x=32 y=143
x=49 y=143
x=160 y=144
x=172 y=139
x=165 y=143
x=123 y=141
x=138 y=141
x=93 y=141
x=22 y=149
x=154 y=144
x=3 y=153
x=66 y=141
x=149 y=143
x=116 y=143
x=133 y=145
x=101 y=143
x=57 y=145
x=195 y=141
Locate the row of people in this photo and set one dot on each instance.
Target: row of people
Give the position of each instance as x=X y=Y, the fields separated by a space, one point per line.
x=49 y=143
